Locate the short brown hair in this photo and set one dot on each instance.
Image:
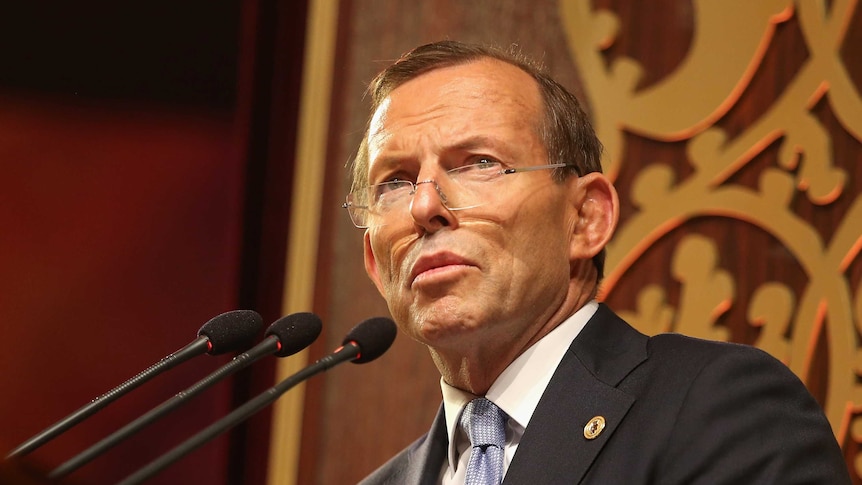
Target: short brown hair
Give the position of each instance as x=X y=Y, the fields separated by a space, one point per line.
x=566 y=130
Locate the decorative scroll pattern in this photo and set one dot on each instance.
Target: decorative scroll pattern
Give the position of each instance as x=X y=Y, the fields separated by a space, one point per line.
x=683 y=107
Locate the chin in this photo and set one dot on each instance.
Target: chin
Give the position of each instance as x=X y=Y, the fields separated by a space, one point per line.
x=442 y=332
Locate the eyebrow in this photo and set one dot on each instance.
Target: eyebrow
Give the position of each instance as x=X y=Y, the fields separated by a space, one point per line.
x=386 y=163
x=474 y=142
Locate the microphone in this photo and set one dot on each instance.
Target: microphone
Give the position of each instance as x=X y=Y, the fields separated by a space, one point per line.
x=287 y=336
x=227 y=332
x=365 y=342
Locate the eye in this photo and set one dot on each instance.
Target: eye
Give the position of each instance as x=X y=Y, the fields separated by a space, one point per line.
x=389 y=192
x=477 y=165
x=480 y=169
x=486 y=163
x=391 y=185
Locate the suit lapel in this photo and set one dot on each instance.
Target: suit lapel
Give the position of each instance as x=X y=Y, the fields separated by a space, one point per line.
x=425 y=461
x=554 y=448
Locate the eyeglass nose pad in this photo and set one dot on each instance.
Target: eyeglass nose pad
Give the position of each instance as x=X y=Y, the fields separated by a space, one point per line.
x=436 y=187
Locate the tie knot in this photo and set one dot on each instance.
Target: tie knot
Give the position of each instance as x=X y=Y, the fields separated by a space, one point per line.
x=484 y=423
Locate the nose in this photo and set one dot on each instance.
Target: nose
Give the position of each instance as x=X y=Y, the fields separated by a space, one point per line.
x=436 y=187
x=428 y=207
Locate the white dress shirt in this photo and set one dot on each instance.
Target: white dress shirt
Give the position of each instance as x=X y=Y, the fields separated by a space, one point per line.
x=517 y=392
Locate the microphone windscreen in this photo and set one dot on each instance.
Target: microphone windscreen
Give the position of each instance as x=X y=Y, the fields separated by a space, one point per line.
x=295 y=332
x=373 y=336
x=232 y=331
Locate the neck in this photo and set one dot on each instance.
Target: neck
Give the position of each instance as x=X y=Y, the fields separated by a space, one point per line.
x=474 y=373
x=474 y=367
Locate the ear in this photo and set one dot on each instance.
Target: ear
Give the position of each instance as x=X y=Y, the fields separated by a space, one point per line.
x=371 y=262
x=597 y=206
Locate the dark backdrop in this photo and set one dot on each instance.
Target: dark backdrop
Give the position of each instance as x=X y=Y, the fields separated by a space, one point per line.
x=140 y=195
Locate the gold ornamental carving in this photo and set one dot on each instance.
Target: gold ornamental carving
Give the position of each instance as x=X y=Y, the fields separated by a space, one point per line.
x=684 y=107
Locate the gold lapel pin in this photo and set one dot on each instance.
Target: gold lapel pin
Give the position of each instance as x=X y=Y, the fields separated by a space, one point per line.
x=594 y=427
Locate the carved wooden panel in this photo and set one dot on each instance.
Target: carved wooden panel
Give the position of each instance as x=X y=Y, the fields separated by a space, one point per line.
x=742 y=180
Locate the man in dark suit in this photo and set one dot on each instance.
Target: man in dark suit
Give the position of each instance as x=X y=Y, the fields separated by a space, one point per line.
x=486 y=213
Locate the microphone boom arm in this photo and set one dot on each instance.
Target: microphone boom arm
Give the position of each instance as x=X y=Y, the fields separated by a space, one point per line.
x=239 y=362
x=197 y=347
x=348 y=352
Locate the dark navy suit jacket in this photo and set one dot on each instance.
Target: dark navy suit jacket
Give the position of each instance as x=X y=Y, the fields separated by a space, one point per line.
x=677 y=410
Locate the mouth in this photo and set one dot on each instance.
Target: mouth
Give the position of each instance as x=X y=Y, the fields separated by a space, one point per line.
x=437 y=264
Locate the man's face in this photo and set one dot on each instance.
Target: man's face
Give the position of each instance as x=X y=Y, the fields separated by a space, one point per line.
x=497 y=271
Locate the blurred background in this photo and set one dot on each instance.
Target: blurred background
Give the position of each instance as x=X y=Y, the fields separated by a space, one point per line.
x=164 y=162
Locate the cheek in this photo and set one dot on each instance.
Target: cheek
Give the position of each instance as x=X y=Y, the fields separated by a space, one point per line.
x=381 y=259
x=541 y=240
x=384 y=252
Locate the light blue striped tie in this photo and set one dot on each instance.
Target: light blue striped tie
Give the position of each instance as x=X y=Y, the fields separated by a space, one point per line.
x=485 y=424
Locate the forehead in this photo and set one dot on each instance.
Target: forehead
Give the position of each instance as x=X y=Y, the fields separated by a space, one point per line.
x=461 y=100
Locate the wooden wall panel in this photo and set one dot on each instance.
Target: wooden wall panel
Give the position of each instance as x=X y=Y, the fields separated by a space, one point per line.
x=733 y=134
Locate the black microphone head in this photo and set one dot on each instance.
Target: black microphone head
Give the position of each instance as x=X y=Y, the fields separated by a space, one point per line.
x=295 y=332
x=232 y=331
x=373 y=337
